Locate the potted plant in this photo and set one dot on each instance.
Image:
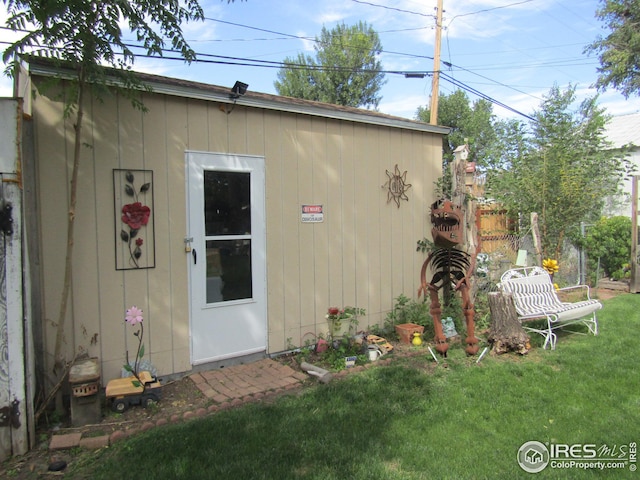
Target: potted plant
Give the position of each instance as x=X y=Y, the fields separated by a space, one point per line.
x=342 y=321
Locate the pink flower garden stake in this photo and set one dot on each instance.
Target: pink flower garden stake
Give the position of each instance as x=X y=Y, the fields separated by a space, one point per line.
x=134 y=317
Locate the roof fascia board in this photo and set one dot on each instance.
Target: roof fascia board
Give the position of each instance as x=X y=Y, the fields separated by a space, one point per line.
x=326 y=112
x=318 y=111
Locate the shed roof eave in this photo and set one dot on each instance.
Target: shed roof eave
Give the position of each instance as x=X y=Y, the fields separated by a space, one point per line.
x=319 y=110
x=195 y=90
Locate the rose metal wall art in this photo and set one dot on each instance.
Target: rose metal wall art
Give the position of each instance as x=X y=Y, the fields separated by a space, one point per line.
x=135 y=236
x=397 y=186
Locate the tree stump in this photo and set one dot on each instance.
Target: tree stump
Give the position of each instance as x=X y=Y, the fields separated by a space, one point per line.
x=506 y=334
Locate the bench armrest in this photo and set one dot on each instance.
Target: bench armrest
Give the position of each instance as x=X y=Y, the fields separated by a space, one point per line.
x=575 y=287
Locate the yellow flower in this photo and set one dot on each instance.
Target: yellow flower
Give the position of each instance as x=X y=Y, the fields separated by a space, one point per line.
x=555 y=285
x=550 y=265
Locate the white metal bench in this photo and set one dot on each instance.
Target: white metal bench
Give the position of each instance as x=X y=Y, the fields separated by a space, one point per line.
x=535 y=298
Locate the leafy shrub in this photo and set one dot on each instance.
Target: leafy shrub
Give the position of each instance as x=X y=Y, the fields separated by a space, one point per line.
x=333 y=356
x=609 y=241
x=339 y=349
x=406 y=310
x=482 y=313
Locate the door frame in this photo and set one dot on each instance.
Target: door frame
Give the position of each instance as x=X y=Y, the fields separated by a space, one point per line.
x=17 y=379
x=258 y=255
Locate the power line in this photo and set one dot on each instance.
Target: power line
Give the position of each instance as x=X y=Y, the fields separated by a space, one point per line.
x=238 y=61
x=495 y=82
x=246 y=62
x=269 y=64
x=567 y=63
x=259 y=29
x=555 y=64
x=389 y=52
x=469 y=89
x=485 y=10
x=287 y=36
x=315 y=40
x=498 y=52
x=371 y=4
x=476 y=13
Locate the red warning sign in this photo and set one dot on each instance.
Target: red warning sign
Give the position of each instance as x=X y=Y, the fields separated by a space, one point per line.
x=312 y=214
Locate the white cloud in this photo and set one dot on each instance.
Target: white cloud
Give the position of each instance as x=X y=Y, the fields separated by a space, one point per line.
x=333 y=11
x=155 y=66
x=403 y=106
x=307 y=41
x=616 y=104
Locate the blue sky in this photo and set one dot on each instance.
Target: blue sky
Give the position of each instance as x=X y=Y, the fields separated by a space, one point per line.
x=513 y=51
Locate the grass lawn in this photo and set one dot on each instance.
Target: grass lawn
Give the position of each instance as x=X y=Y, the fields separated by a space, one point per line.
x=413 y=419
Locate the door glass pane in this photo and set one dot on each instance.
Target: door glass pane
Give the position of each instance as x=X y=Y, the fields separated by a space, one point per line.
x=228 y=270
x=227 y=203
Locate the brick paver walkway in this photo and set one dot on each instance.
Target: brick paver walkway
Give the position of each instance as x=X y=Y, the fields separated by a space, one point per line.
x=227 y=386
x=241 y=381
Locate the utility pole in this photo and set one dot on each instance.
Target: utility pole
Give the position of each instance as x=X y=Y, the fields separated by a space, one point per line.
x=436 y=67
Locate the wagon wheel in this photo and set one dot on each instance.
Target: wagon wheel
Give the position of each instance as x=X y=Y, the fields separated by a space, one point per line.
x=149 y=400
x=120 y=405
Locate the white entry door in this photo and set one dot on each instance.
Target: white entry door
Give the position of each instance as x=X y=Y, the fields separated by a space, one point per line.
x=227 y=262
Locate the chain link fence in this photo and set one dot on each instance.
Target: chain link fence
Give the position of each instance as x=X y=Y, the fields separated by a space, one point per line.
x=502 y=252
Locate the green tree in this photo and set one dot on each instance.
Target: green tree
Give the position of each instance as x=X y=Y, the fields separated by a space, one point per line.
x=470 y=123
x=345 y=71
x=608 y=243
x=619 y=51
x=562 y=168
x=86 y=35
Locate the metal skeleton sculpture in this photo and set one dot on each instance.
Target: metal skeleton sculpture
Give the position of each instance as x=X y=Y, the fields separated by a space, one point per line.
x=453 y=269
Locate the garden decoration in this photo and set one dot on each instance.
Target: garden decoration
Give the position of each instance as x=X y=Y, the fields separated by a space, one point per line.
x=374 y=352
x=142 y=388
x=134 y=219
x=383 y=345
x=535 y=298
x=323 y=375
x=342 y=321
x=552 y=267
x=396 y=186
x=453 y=268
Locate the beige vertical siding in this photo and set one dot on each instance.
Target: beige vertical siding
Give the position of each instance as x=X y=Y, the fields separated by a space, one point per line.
x=53 y=220
x=363 y=254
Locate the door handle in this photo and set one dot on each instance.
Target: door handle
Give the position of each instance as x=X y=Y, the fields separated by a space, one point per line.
x=195 y=256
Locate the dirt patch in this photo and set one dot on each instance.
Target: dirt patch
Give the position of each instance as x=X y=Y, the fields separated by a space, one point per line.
x=602 y=293
x=178 y=396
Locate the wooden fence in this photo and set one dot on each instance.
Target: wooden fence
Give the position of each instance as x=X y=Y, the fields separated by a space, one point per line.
x=496 y=231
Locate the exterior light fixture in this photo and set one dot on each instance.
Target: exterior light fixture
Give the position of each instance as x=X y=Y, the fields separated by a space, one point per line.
x=238 y=90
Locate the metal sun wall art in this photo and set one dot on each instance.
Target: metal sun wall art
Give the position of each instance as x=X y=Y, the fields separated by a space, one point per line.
x=397 y=186
x=134 y=222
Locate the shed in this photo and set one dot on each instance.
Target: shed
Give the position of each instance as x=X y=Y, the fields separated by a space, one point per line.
x=623 y=131
x=232 y=221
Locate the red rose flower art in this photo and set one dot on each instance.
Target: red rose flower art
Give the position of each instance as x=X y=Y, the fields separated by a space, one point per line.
x=135 y=215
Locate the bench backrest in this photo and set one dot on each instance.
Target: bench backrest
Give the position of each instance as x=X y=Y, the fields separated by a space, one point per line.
x=532 y=290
